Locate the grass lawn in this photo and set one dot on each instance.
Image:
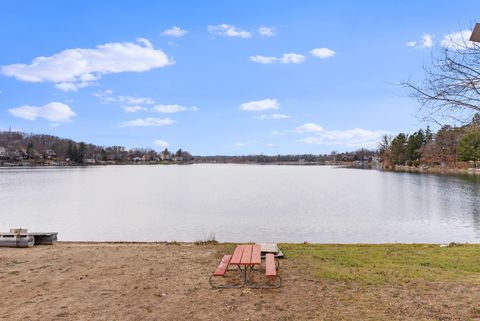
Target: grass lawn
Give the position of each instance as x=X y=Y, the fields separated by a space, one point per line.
x=399 y=264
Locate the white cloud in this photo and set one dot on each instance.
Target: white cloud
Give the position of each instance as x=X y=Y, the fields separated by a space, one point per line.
x=457 y=40
x=54 y=112
x=103 y=93
x=259 y=105
x=135 y=104
x=309 y=128
x=129 y=103
x=131 y=100
x=426 y=42
x=263 y=59
x=411 y=44
x=323 y=53
x=273 y=116
x=145 y=42
x=350 y=138
x=161 y=143
x=133 y=109
x=70 y=86
x=292 y=58
x=174 y=31
x=168 y=109
x=278 y=133
x=147 y=122
x=240 y=144
x=288 y=58
x=266 y=31
x=76 y=68
x=227 y=30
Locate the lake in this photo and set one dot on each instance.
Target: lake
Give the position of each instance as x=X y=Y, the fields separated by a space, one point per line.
x=241 y=203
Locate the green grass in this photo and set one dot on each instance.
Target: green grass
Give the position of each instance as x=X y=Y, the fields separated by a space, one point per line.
x=372 y=264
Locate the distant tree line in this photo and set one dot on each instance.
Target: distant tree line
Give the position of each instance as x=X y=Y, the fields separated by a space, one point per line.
x=320 y=159
x=47 y=149
x=447 y=147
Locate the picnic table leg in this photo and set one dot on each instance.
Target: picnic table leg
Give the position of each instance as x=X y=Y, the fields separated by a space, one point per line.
x=246 y=273
x=277 y=284
x=226 y=286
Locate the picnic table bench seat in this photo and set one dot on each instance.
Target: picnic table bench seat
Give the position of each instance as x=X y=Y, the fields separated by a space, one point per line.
x=270 y=270
x=273 y=279
x=222 y=267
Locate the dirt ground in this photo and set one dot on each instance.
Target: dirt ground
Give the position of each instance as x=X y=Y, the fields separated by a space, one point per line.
x=73 y=281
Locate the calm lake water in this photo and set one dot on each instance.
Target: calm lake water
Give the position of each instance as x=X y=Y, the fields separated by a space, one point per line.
x=241 y=203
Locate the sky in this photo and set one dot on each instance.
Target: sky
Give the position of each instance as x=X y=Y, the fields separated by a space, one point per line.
x=220 y=77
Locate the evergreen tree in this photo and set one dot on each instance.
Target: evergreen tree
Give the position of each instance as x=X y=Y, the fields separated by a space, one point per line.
x=76 y=152
x=469 y=146
x=414 y=146
x=476 y=119
x=428 y=135
x=30 y=150
x=398 y=148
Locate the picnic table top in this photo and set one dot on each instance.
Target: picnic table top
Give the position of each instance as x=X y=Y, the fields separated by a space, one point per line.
x=247 y=255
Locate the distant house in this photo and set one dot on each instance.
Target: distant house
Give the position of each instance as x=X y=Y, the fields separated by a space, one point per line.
x=150 y=156
x=3 y=152
x=18 y=155
x=50 y=154
x=89 y=161
x=165 y=156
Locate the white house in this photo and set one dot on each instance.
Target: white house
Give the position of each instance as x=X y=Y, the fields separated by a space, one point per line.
x=3 y=152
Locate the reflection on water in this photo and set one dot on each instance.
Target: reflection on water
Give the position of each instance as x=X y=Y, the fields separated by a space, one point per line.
x=241 y=203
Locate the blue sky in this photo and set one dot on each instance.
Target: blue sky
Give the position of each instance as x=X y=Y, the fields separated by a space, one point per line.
x=218 y=77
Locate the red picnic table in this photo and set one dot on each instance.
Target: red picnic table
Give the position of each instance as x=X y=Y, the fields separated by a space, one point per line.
x=246 y=258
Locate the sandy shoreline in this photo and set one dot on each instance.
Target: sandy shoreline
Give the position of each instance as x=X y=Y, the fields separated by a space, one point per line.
x=112 y=281
x=169 y=281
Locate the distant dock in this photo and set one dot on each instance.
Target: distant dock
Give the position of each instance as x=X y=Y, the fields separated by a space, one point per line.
x=22 y=238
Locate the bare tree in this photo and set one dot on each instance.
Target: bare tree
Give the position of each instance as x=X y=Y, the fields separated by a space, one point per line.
x=451 y=89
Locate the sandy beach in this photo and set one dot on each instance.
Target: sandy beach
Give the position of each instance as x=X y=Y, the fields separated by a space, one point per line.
x=159 y=281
